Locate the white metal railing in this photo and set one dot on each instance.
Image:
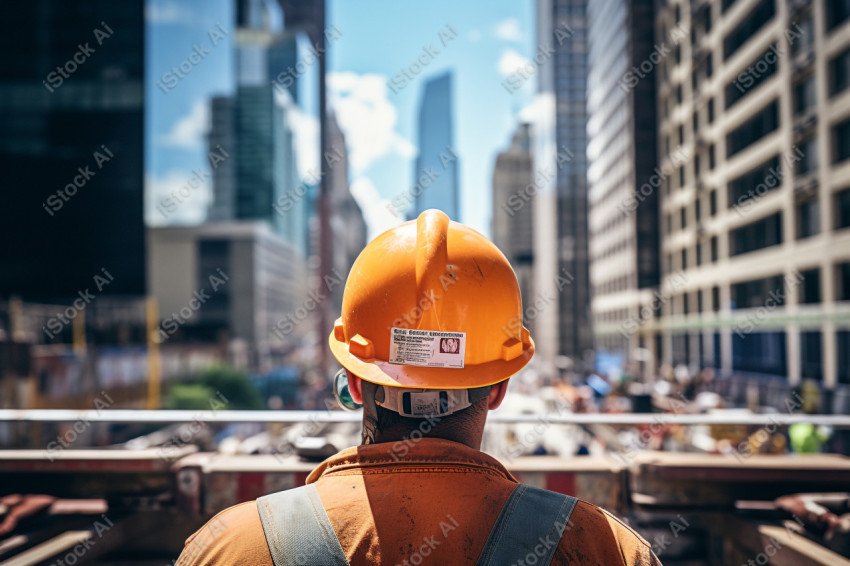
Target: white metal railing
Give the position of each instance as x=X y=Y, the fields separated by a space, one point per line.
x=224 y=417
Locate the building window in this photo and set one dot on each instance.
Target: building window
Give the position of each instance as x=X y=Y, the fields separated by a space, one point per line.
x=758 y=181
x=682 y=177
x=695 y=121
x=808 y=161
x=841 y=141
x=757 y=235
x=750 y=25
x=837 y=12
x=759 y=293
x=699 y=255
x=842 y=283
x=761 y=124
x=711 y=157
x=805 y=96
x=760 y=70
x=760 y=352
x=683 y=218
x=811 y=361
x=842 y=209
x=712 y=203
x=700 y=304
x=808 y=218
x=684 y=258
x=710 y=109
x=810 y=287
x=715 y=299
x=698 y=209
x=681 y=134
x=839 y=72
x=713 y=244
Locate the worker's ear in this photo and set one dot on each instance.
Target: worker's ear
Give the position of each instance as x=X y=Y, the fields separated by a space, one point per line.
x=497 y=394
x=354 y=388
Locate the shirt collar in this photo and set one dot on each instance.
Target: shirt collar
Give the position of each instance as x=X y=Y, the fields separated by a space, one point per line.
x=423 y=451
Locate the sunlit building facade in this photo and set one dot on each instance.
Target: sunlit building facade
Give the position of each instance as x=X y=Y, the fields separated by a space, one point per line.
x=756 y=246
x=236 y=283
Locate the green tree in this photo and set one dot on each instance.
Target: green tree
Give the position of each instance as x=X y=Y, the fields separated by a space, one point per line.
x=212 y=387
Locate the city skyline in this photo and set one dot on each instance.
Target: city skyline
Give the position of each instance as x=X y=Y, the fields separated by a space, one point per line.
x=376 y=109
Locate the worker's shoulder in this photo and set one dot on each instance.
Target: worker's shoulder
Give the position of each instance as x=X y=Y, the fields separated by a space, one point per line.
x=595 y=536
x=234 y=536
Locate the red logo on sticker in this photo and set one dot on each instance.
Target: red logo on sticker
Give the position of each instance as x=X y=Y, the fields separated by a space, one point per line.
x=449 y=345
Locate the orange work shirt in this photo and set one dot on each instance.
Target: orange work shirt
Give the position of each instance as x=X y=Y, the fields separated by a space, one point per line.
x=436 y=505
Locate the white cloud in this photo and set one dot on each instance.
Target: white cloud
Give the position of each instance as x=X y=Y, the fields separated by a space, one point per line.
x=167 y=12
x=540 y=110
x=376 y=209
x=188 y=132
x=367 y=117
x=305 y=131
x=474 y=35
x=508 y=30
x=177 y=197
x=510 y=62
x=540 y=113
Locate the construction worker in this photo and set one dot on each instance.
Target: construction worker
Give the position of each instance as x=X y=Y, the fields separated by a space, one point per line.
x=431 y=330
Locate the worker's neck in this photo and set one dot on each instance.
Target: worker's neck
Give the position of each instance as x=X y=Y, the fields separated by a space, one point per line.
x=404 y=434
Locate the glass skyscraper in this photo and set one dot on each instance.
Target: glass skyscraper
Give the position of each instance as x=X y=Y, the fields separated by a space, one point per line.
x=435 y=180
x=560 y=161
x=266 y=181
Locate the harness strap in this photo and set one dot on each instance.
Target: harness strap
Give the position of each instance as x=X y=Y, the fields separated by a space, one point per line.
x=298 y=530
x=528 y=529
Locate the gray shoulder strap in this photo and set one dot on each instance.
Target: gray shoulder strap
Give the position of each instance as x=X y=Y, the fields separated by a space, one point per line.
x=529 y=527
x=298 y=530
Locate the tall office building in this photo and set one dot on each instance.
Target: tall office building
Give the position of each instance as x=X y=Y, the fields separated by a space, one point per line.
x=437 y=160
x=561 y=248
x=348 y=227
x=757 y=217
x=622 y=181
x=513 y=225
x=263 y=180
x=71 y=148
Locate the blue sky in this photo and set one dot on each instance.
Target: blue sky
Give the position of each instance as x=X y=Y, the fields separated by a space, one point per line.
x=378 y=38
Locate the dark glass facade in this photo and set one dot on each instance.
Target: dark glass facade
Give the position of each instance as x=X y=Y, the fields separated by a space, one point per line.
x=71 y=147
x=562 y=24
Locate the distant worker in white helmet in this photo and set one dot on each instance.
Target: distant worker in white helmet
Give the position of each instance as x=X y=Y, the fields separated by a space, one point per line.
x=430 y=333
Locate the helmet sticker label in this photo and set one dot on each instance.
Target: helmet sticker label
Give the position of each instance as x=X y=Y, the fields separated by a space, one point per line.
x=429 y=348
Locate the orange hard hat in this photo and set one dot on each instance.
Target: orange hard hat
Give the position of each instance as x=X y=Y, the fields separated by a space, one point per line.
x=431 y=304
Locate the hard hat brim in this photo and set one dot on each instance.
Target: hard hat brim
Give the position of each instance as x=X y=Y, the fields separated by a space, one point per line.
x=384 y=373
